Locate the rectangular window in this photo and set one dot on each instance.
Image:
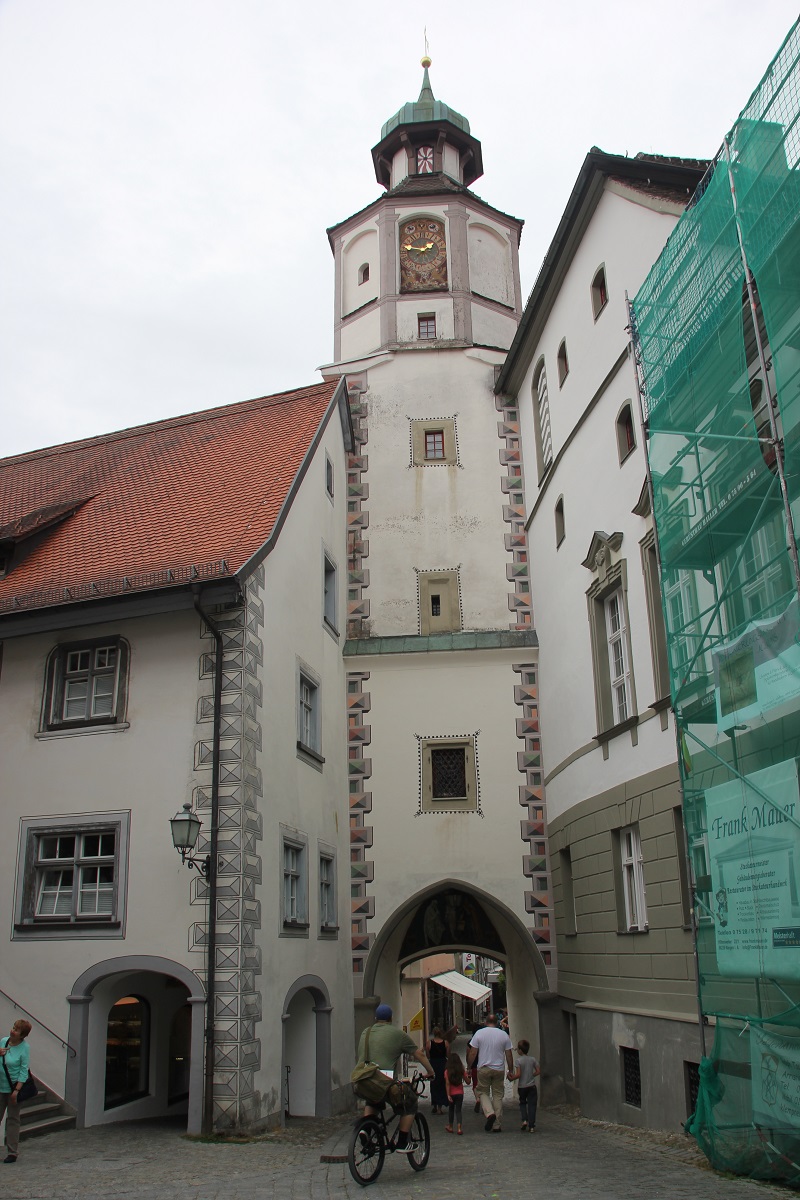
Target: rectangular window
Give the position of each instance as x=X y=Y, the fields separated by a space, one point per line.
x=449 y=777
x=291 y=882
x=568 y=892
x=655 y=617
x=633 y=892
x=439 y=608
x=327 y=892
x=72 y=877
x=544 y=440
x=426 y=326
x=616 y=634
x=691 y=1076
x=294 y=854
x=448 y=772
x=434 y=443
x=631 y=1077
x=329 y=594
x=329 y=476
x=85 y=684
x=683 y=866
x=309 y=738
x=614 y=691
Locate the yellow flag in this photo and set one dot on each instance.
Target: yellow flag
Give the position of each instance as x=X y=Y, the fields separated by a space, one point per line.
x=417 y=1023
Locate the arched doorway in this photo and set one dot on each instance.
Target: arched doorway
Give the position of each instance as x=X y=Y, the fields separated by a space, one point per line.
x=137 y=1024
x=306 y=1058
x=452 y=915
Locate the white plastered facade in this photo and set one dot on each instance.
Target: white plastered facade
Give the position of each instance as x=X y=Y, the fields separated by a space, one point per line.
x=278 y=990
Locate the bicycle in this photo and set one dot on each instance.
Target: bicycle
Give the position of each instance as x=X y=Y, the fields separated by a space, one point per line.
x=372 y=1136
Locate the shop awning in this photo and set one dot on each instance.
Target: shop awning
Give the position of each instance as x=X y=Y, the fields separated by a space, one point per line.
x=454 y=981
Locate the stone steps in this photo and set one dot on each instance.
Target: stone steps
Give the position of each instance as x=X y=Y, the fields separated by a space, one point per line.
x=46 y=1113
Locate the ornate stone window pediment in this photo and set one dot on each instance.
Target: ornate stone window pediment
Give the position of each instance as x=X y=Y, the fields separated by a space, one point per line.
x=603 y=554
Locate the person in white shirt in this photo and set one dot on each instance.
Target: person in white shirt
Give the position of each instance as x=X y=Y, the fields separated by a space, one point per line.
x=492 y=1048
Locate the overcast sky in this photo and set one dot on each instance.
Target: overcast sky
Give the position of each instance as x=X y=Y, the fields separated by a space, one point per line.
x=168 y=168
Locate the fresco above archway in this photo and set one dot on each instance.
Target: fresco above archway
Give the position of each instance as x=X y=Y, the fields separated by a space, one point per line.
x=450 y=918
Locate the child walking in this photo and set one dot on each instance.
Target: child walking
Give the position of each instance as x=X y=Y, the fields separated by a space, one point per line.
x=526 y=1069
x=454 y=1084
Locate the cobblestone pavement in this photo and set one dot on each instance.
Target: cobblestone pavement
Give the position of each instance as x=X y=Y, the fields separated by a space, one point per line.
x=566 y=1159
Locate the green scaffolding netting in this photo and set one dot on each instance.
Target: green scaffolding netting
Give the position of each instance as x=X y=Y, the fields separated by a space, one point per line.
x=717 y=335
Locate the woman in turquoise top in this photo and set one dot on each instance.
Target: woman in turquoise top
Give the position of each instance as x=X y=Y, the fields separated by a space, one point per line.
x=15 y=1055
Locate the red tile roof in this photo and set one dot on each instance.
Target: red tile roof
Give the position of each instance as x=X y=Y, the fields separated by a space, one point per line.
x=149 y=506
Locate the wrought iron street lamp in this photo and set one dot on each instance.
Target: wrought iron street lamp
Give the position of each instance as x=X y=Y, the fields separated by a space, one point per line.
x=185 y=828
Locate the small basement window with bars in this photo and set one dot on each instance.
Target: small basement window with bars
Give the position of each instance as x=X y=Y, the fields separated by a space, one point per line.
x=631 y=1077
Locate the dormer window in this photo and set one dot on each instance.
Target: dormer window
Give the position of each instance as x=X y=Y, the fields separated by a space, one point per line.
x=425 y=160
x=6 y=552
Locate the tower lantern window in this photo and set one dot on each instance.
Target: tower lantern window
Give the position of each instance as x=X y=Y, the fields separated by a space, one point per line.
x=425 y=160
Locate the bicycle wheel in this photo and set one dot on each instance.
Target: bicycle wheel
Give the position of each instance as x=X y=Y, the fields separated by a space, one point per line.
x=366 y=1151
x=421 y=1134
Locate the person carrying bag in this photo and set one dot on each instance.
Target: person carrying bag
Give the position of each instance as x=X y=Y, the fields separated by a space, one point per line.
x=16 y=1084
x=368 y=1080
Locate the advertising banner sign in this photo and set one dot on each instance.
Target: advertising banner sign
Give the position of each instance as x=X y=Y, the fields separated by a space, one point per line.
x=754 y=855
x=776 y=1079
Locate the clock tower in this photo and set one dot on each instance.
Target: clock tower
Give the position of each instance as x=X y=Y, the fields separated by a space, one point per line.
x=448 y=827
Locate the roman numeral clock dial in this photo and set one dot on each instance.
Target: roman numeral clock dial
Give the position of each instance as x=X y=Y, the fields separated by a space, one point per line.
x=423 y=256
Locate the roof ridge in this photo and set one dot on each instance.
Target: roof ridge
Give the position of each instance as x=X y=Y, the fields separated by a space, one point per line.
x=168 y=422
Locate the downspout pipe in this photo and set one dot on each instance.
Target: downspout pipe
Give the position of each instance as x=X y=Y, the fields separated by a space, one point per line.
x=213 y=844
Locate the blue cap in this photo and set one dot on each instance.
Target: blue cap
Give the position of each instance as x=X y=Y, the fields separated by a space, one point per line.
x=383 y=1012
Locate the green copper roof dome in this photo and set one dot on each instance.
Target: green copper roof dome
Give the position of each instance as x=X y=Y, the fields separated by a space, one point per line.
x=427 y=108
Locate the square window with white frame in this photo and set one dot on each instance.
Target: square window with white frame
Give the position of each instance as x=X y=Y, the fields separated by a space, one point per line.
x=86 y=684
x=72 y=876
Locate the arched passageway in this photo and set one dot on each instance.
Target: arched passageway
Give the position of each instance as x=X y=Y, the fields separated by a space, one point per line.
x=453 y=915
x=306 y=1057
x=137 y=1025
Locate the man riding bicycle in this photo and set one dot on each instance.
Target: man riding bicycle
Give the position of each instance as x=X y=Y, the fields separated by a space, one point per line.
x=386 y=1045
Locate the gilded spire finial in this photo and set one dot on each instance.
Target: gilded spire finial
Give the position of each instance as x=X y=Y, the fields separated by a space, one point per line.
x=426 y=58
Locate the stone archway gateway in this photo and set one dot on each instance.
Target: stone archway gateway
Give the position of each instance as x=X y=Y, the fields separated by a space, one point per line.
x=452 y=915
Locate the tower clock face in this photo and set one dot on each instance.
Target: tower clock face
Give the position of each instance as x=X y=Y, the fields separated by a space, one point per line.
x=423 y=256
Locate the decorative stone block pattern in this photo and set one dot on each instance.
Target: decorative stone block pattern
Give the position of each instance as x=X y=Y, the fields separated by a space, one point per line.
x=536 y=864
x=357 y=515
x=237 y=957
x=512 y=486
x=359 y=771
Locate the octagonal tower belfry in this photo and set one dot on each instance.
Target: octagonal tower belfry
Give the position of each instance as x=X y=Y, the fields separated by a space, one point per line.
x=448 y=821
